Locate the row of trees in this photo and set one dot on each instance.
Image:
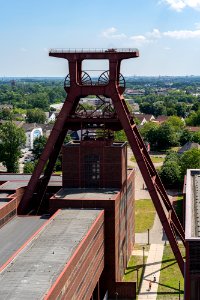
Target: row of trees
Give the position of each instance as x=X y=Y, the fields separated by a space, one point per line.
x=162 y=137
x=169 y=134
x=175 y=167
x=29 y=95
x=35 y=115
x=175 y=103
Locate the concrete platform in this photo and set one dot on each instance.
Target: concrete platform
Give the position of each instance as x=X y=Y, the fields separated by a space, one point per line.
x=97 y=194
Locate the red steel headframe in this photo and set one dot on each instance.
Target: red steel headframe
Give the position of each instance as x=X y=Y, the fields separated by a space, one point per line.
x=111 y=89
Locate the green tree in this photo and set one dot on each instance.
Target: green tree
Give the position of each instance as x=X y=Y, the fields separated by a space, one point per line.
x=35 y=116
x=190 y=160
x=149 y=133
x=176 y=122
x=38 y=146
x=166 y=136
x=196 y=137
x=12 y=140
x=29 y=167
x=6 y=114
x=193 y=119
x=120 y=136
x=170 y=173
x=185 y=137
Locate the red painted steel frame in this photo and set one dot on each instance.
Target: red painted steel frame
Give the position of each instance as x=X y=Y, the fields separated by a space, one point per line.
x=76 y=90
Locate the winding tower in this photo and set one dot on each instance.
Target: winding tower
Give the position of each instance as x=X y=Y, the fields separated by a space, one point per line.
x=115 y=116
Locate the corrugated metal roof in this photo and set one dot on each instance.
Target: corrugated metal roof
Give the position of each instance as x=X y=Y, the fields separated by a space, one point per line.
x=36 y=268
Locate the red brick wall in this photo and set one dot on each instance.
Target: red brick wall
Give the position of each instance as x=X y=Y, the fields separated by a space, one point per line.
x=119 y=230
x=8 y=211
x=112 y=163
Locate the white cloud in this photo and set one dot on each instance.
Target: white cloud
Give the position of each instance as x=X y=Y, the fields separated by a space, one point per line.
x=139 y=39
x=179 y=5
x=183 y=34
x=111 y=33
x=155 y=34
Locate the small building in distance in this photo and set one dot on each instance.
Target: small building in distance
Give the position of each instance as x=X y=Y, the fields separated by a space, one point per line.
x=188 y=146
x=32 y=131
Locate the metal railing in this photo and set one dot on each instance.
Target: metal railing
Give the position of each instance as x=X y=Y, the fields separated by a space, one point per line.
x=91 y=50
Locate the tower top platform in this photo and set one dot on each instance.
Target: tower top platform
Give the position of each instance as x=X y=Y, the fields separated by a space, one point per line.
x=110 y=53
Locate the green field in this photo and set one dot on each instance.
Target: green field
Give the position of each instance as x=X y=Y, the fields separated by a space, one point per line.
x=154 y=159
x=144 y=215
x=170 y=276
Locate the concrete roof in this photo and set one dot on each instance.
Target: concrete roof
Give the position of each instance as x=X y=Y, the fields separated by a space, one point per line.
x=13 y=235
x=15 y=181
x=192 y=214
x=10 y=176
x=78 y=193
x=31 y=274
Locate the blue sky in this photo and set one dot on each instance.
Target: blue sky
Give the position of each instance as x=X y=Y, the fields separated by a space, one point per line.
x=166 y=32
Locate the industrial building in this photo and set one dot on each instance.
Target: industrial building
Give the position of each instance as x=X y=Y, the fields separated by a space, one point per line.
x=88 y=236
x=83 y=246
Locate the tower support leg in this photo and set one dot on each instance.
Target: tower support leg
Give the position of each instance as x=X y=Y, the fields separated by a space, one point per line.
x=48 y=156
x=156 y=190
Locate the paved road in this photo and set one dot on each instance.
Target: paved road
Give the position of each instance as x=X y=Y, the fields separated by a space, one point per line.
x=15 y=233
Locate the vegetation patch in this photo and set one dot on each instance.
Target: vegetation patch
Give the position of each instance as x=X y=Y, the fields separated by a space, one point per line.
x=144 y=215
x=170 y=276
x=154 y=159
x=178 y=205
x=135 y=270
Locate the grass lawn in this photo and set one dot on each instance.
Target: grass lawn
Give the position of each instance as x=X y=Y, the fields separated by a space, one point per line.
x=58 y=173
x=170 y=276
x=178 y=205
x=144 y=215
x=155 y=159
x=135 y=263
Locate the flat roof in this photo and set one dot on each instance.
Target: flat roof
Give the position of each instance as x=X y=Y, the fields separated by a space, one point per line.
x=9 y=177
x=15 y=181
x=192 y=211
x=13 y=235
x=4 y=198
x=84 y=194
x=32 y=273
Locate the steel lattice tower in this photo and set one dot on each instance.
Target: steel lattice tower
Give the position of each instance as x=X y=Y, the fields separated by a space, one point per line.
x=111 y=84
